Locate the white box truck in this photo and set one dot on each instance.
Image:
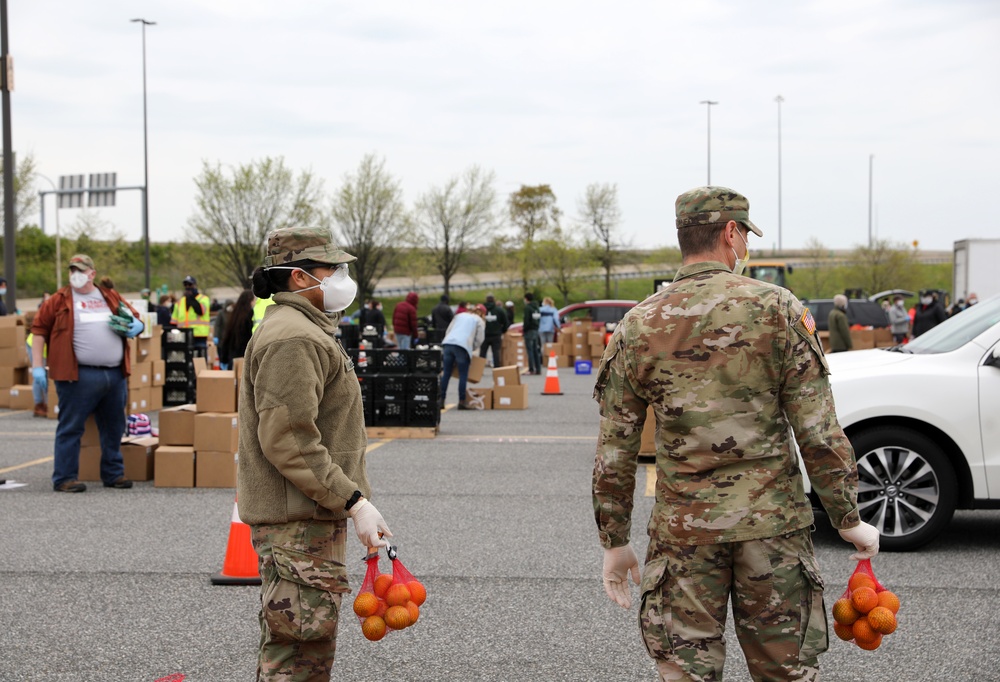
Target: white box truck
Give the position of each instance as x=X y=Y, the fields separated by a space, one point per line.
x=976 y=268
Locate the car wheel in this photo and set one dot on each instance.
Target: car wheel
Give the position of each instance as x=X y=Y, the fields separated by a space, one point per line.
x=906 y=486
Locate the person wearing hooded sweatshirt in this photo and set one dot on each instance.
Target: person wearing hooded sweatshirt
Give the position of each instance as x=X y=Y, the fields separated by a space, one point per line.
x=404 y=321
x=302 y=446
x=496 y=325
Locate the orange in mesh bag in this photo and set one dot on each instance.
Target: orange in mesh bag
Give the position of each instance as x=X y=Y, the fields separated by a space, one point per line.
x=388 y=602
x=866 y=611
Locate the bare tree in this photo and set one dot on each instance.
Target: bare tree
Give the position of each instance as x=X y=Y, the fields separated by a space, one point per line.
x=25 y=194
x=236 y=208
x=533 y=211
x=818 y=273
x=562 y=259
x=371 y=221
x=883 y=265
x=453 y=219
x=600 y=211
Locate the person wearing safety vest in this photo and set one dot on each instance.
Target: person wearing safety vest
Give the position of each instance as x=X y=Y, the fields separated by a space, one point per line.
x=191 y=312
x=258 y=312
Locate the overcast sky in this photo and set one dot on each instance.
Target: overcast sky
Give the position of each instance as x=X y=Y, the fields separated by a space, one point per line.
x=560 y=93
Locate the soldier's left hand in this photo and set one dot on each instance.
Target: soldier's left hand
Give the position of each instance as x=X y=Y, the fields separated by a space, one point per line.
x=619 y=564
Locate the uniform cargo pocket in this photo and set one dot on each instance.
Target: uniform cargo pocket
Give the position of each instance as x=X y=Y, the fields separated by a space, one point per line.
x=815 y=638
x=655 y=616
x=301 y=601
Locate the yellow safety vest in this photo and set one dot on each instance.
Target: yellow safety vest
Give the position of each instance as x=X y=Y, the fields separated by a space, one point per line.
x=186 y=319
x=258 y=312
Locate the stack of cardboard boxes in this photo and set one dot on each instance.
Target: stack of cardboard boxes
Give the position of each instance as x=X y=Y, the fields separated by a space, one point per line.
x=508 y=391
x=145 y=384
x=513 y=351
x=198 y=442
x=579 y=341
x=15 y=377
x=137 y=451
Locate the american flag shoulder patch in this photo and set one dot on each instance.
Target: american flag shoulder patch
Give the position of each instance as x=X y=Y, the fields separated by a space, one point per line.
x=808 y=322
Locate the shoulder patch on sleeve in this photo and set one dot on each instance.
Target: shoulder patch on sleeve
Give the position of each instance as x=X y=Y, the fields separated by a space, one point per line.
x=808 y=322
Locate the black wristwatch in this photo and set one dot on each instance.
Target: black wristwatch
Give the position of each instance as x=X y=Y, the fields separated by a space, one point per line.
x=354 y=500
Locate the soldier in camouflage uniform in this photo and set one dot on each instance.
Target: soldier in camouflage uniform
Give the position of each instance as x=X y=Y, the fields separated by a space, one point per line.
x=302 y=453
x=731 y=367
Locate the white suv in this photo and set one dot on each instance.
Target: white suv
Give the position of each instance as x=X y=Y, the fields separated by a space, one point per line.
x=924 y=420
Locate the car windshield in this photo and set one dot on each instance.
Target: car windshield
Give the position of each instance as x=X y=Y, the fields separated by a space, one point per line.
x=958 y=330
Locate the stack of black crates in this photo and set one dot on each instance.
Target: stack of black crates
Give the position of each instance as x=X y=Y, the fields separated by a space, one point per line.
x=399 y=387
x=179 y=382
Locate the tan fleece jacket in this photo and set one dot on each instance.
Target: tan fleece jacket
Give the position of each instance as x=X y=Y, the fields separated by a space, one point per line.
x=302 y=427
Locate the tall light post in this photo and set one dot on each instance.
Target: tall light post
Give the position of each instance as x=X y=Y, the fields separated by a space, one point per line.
x=145 y=150
x=58 y=234
x=871 y=163
x=779 y=99
x=708 y=108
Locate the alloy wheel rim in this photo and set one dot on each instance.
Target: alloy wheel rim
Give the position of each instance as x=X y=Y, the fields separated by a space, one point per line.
x=898 y=490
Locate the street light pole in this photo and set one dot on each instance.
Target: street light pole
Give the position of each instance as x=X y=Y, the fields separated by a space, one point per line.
x=145 y=150
x=708 y=108
x=779 y=99
x=58 y=235
x=871 y=163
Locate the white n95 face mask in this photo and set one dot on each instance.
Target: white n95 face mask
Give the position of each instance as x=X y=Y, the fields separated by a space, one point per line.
x=78 y=279
x=739 y=265
x=339 y=290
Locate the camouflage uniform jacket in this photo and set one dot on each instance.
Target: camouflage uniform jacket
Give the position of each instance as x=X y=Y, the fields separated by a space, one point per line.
x=732 y=368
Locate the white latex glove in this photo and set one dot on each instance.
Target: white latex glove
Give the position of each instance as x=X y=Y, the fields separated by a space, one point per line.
x=619 y=563
x=864 y=537
x=368 y=523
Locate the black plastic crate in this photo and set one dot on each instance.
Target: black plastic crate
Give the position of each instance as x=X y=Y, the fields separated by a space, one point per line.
x=426 y=361
x=365 y=361
x=393 y=361
x=391 y=387
x=390 y=413
x=178 y=355
x=177 y=396
x=423 y=414
x=367 y=389
x=422 y=389
x=372 y=335
x=178 y=338
x=349 y=335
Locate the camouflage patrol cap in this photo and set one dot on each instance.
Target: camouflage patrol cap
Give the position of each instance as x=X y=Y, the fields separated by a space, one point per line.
x=82 y=261
x=291 y=244
x=707 y=205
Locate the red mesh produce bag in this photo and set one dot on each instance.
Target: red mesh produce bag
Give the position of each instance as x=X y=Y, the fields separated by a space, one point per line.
x=406 y=591
x=387 y=602
x=866 y=611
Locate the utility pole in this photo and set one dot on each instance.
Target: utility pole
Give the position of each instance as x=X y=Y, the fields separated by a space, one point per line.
x=145 y=150
x=9 y=228
x=708 y=108
x=871 y=162
x=779 y=99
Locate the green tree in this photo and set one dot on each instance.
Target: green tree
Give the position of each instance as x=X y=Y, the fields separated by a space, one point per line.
x=818 y=275
x=25 y=192
x=455 y=218
x=237 y=206
x=562 y=259
x=371 y=221
x=599 y=210
x=881 y=266
x=533 y=212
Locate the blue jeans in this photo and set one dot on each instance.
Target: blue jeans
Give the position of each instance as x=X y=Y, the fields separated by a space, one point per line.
x=403 y=342
x=533 y=345
x=452 y=355
x=100 y=391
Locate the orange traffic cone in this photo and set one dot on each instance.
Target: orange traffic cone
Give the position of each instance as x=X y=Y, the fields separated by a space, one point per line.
x=552 y=378
x=240 y=565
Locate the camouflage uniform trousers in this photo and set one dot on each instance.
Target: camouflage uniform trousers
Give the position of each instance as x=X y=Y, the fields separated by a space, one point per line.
x=778 y=605
x=302 y=579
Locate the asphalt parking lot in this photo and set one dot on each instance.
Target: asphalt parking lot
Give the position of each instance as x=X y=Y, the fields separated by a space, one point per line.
x=494 y=516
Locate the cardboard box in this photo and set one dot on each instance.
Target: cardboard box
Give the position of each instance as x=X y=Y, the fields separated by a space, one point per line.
x=216 y=390
x=177 y=425
x=216 y=431
x=11 y=321
x=89 y=468
x=596 y=339
x=155 y=398
x=862 y=338
x=142 y=375
x=149 y=349
x=15 y=356
x=564 y=361
x=214 y=469
x=138 y=453
x=91 y=436
x=138 y=400
x=200 y=365
x=173 y=467
x=10 y=376
x=581 y=324
x=506 y=376
x=53 y=402
x=581 y=350
x=479 y=398
x=596 y=352
x=511 y=397
x=12 y=337
x=550 y=348
x=476 y=367
x=238 y=371
x=159 y=374
x=647 y=446
x=21 y=397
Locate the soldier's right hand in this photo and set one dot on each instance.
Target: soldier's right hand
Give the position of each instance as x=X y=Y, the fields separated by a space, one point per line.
x=368 y=523
x=864 y=537
x=619 y=564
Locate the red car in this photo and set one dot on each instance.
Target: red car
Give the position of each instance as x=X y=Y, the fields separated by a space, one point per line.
x=602 y=313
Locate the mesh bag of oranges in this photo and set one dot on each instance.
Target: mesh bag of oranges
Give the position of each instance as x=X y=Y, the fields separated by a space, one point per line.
x=387 y=601
x=866 y=612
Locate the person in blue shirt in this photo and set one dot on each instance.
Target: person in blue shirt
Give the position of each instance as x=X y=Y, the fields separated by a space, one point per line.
x=549 y=322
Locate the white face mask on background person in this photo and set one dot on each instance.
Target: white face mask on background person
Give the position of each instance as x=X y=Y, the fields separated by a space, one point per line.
x=338 y=289
x=77 y=279
x=741 y=264
x=899 y=304
x=926 y=300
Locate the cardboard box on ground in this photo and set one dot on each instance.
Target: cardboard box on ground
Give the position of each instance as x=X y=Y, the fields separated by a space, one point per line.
x=508 y=391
